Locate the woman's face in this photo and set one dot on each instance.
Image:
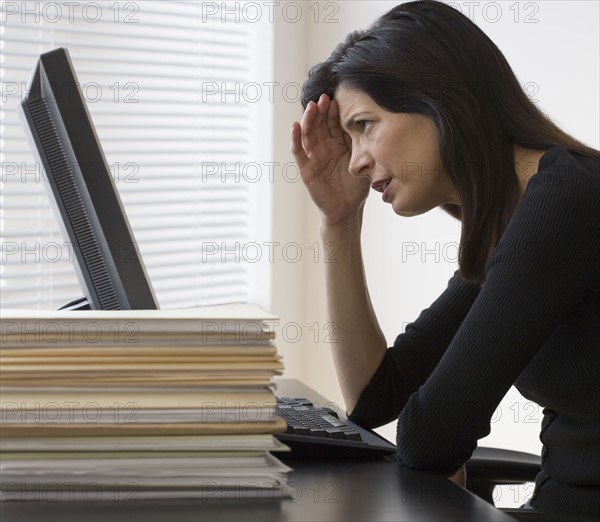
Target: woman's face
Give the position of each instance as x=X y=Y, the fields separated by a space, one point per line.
x=398 y=151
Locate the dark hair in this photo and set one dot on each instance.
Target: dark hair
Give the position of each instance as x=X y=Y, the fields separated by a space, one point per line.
x=426 y=57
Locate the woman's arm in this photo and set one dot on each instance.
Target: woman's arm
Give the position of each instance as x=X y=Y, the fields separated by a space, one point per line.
x=408 y=363
x=360 y=345
x=323 y=154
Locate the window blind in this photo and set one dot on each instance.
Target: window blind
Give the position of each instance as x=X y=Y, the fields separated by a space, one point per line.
x=172 y=90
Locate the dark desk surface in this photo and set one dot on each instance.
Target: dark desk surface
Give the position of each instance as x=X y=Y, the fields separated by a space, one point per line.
x=336 y=491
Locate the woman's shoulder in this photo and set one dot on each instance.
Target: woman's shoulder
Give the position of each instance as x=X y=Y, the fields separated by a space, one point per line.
x=561 y=165
x=556 y=221
x=568 y=174
x=563 y=195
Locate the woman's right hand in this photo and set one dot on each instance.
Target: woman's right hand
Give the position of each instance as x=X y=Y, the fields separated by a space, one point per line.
x=322 y=152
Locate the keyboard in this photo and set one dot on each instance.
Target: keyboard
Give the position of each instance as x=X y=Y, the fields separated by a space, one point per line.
x=319 y=432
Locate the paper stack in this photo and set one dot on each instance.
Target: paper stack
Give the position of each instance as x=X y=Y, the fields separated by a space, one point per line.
x=140 y=403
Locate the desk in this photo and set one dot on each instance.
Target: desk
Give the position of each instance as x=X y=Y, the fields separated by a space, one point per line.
x=378 y=490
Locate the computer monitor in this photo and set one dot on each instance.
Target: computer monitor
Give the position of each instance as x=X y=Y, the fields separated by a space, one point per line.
x=84 y=196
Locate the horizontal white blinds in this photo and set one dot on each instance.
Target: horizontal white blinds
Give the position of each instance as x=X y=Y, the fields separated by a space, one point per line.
x=169 y=88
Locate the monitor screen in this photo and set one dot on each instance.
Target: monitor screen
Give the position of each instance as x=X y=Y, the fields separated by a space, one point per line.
x=84 y=195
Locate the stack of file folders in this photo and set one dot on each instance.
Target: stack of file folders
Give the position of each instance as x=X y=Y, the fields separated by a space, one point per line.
x=137 y=404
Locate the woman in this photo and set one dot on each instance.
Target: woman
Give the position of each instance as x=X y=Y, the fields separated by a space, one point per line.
x=424 y=108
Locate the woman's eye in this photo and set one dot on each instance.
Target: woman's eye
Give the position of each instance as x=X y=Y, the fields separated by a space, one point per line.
x=363 y=124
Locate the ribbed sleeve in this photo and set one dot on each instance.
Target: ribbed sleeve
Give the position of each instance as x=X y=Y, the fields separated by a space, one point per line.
x=535 y=322
x=414 y=355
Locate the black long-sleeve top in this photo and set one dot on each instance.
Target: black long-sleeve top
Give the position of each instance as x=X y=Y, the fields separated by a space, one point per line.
x=534 y=323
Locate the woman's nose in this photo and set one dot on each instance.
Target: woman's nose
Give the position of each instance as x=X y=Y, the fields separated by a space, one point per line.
x=360 y=162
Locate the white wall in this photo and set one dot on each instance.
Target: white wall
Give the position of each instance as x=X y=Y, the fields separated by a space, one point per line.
x=553 y=47
x=289 y=205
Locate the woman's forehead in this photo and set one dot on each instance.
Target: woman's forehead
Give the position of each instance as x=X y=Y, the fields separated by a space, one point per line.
x=350 y=99
x=351 y=102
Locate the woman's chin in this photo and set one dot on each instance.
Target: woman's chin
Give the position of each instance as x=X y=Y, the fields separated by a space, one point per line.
x=405 y=210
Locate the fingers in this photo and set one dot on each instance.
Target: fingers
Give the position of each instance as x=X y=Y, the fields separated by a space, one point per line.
x=321 y=118
x=296 y=145
x=460 y=477
x=333 y=120
x=320 y=123
x=307 y=125
x=315 y=128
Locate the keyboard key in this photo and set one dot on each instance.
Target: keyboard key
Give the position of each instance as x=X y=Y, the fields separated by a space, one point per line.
x=333 y=420
x=301 y=430
x=318 y=432
x=334 y=433
x=352 y=435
